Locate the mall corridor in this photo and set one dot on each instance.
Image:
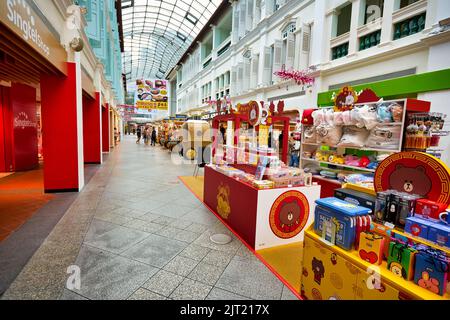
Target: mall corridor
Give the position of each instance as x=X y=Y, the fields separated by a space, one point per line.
x=136 y=232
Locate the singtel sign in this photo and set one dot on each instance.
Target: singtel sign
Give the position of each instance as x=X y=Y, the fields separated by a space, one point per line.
x=22 y=121
x=19 y=13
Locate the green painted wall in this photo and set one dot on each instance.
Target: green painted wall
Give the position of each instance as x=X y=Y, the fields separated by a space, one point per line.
x=404 y=87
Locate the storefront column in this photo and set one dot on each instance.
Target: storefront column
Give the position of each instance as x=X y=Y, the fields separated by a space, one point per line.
x=386 y=26
x=62 y=129
x=111 y=128
x=105 y=128
x=92 y=129
x=355 y=20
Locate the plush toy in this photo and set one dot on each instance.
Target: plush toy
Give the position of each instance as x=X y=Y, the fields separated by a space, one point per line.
x=372 y=165
x=338 y=120
x=384 y=113
x=351 y=160
x=397 y=112
x=336 y=158
x=321 y=156
x=329 y=116
x=364 y=161
x=318 y=117
x=357 y=116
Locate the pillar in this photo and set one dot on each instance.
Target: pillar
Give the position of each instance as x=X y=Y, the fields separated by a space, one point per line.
x=386 y=25
x=62 y=130
x=92 y=135
x=354 y=24
x=105 y=128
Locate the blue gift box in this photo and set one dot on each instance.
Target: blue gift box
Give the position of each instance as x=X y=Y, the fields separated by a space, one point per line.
x=418 y=227
x=342 y=214
x=439 y=233
x=431 y=272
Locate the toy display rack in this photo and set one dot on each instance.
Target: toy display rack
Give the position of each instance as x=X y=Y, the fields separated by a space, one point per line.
x=409 y=105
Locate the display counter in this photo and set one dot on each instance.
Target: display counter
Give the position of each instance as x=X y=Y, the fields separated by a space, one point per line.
x=263 y=218
x=330 y=272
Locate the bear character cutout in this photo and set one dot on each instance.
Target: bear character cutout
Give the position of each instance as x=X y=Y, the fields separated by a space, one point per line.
x=411 y=180
x=289 y=214
x=318 y=269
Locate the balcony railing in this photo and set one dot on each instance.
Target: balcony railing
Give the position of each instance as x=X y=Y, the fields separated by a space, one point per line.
x=409 y=26
x=339 y=51
x=370 y=40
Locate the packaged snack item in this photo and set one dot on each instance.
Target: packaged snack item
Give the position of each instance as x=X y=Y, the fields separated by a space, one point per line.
x=329 y=135
x=353 y=137
x=428 y=209
x=440 y=234
x=347 y=118
x=384 y=136
x=401 y=260
x=431 y=271
x=371 y=247
x=418 y=227
x=263 y=184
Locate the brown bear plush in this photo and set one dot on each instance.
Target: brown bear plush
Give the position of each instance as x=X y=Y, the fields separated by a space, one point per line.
x=411 y=180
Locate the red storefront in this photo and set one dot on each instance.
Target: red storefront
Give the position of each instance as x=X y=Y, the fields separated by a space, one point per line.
x=38 y=85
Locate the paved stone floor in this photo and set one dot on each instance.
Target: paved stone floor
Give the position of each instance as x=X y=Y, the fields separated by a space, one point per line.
x=136 y=232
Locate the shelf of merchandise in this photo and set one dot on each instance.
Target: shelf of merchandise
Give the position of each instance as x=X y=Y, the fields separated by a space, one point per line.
x=409 y=287
x=339 y=165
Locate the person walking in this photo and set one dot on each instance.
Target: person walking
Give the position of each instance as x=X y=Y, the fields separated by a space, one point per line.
x=138 y=133
x=153 y=137
x=294 y=151
x=223 y=131
x=146 y=135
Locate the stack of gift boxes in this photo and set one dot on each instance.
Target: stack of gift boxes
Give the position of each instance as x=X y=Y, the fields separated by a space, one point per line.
x=352 y=221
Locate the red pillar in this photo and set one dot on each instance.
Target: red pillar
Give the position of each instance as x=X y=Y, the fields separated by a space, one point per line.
x=105 y=128
x=61 y=131
x=6 y=131
x=92 y=129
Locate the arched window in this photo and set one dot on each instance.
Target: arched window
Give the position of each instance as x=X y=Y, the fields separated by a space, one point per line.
x=290 y=28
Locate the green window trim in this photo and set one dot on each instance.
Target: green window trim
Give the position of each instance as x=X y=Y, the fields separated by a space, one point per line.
x=400 y=87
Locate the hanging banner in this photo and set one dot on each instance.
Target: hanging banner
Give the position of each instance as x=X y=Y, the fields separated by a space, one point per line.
x=151 y=94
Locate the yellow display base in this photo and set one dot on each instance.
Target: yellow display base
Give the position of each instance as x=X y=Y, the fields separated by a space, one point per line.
x=284 y=260
x=287 y=261
x=195 y=184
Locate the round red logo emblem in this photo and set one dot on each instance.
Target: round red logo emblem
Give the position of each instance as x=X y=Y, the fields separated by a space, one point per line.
x=289 y=214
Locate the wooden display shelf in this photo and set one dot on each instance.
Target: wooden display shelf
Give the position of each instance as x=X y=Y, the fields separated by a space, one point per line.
x=409 y=287
x=339 y=165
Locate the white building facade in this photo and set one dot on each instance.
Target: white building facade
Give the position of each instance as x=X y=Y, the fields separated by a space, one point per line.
x=349 y=42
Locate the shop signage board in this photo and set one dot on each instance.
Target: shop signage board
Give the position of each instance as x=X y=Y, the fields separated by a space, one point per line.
x=151 y=94
x=21 y=18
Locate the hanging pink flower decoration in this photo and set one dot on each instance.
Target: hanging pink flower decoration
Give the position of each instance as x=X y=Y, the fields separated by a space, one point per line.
x=301 y=77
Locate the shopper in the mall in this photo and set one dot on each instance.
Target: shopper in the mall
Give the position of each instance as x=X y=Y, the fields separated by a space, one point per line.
x=294 y=151
x=153 y=137
x=138 y=133
x=146 y=135
x=222 y=132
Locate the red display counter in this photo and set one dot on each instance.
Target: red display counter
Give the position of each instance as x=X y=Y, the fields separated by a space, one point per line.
x=262 y=217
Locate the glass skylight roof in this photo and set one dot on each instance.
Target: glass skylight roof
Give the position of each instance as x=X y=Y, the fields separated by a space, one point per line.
x=157 y=33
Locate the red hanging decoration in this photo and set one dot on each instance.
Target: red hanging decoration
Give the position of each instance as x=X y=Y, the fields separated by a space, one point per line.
x=301 y=77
